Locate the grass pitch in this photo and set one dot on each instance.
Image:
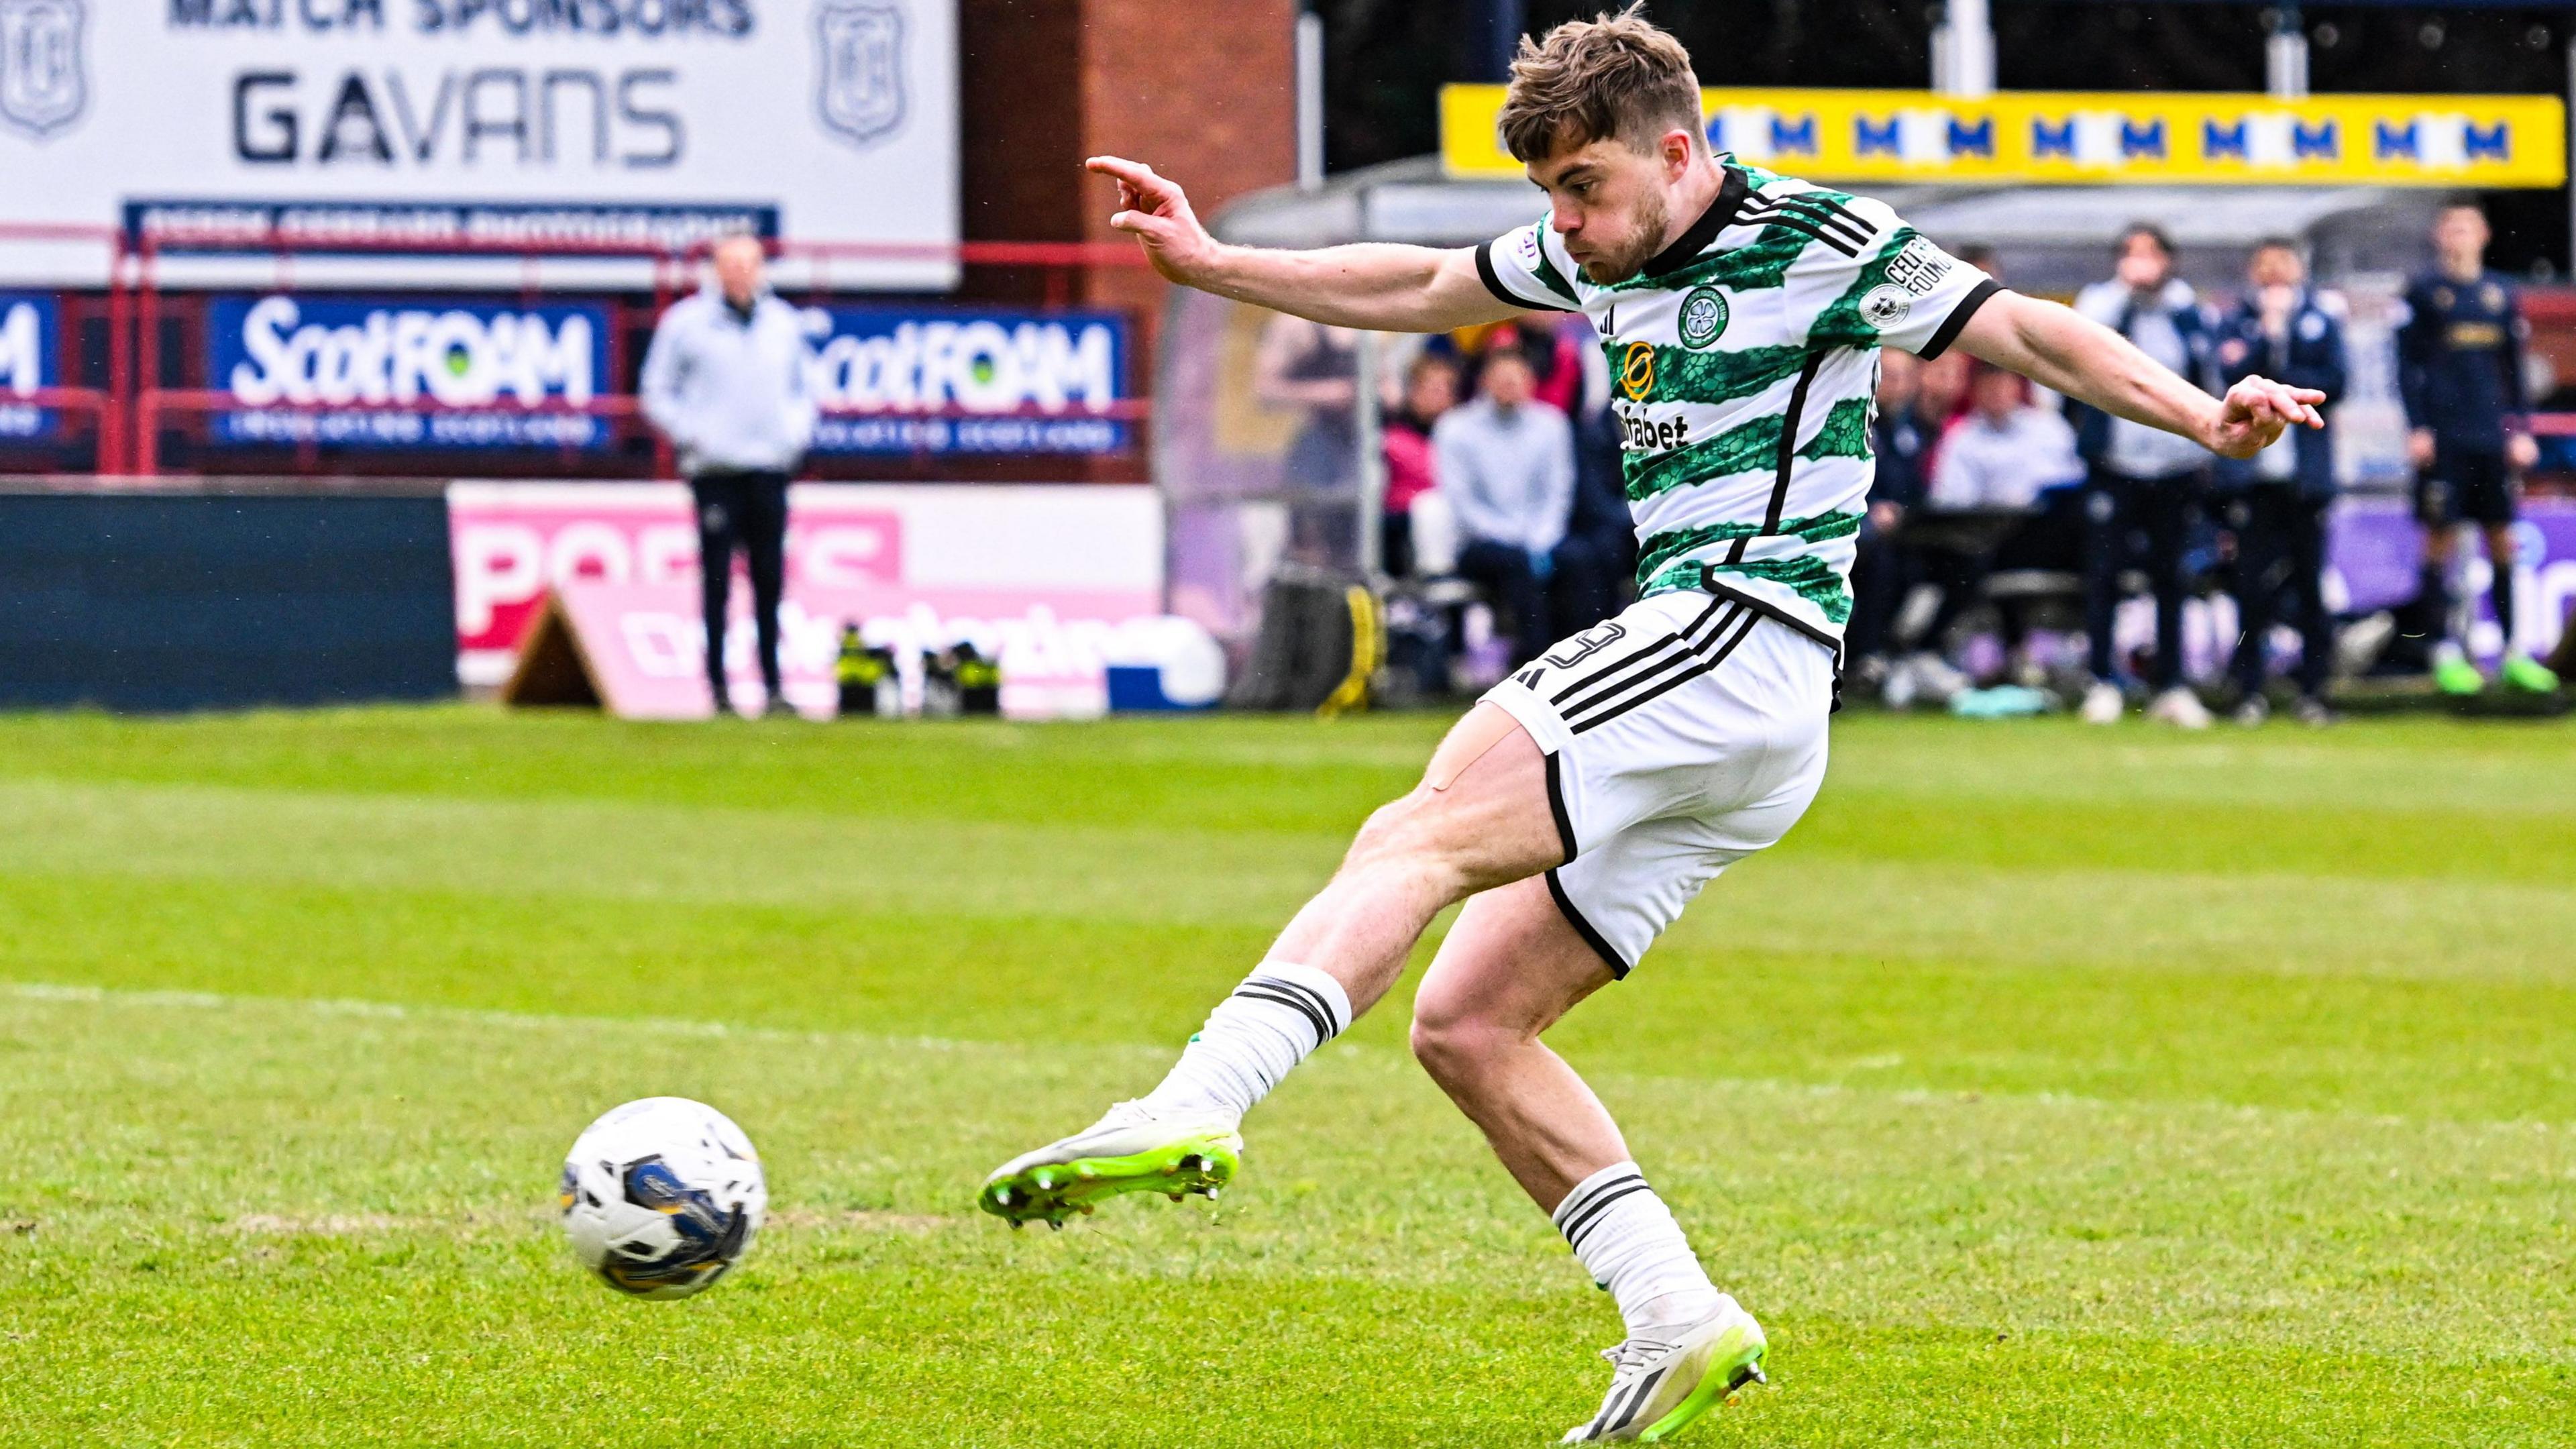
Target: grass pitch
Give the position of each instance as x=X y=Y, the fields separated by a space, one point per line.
x=2047 y=1086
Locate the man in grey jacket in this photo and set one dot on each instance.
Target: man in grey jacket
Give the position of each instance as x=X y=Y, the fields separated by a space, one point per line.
x=725 y=382
x=1505 y=465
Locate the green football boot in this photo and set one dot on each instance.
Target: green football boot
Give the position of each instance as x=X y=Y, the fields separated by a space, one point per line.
x=1132 y=1149
x=1657 y=1387
x=2521 y=671
x=2453 y=674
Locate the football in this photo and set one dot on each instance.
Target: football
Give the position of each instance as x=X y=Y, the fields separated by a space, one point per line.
x=662 y=1196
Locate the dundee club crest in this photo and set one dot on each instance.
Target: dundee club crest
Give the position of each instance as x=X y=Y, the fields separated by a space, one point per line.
x=43 y=83
x=859 y=88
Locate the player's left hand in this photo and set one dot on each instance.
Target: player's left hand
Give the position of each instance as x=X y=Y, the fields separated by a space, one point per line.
x=2254 y=413
x=2521 y=450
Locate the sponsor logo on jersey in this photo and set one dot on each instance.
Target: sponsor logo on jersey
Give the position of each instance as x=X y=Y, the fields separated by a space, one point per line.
x=1886 y=305
x=1637 y=370
x=1918 y=267
x=1639 y=433
x=1703 y=317
x=859 y=86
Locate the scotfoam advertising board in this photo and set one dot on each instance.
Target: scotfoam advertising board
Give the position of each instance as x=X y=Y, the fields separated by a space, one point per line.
x=391 y=372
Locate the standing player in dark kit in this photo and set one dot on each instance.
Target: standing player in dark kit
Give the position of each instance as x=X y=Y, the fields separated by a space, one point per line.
x=2459 y=359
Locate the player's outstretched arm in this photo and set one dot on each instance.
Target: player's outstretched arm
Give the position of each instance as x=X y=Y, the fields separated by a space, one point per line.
x=2054 y=347
x=1375 y=285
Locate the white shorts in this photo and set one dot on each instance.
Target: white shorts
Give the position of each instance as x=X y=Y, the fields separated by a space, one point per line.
x=1682 y=736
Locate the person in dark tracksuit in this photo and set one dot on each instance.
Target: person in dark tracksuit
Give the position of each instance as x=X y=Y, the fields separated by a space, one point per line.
x=2278 y=499
x=2143 y=482
x=725 y=382
x=2459 y=372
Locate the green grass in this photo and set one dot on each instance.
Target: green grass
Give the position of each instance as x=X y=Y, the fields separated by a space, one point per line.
x=2047 y=1086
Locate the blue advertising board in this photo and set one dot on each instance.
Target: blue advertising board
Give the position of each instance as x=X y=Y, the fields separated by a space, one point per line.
x=413 y=373
x=30 y=358
x=1026 y=382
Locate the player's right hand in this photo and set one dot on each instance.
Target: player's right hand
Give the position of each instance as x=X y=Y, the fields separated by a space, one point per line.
x=1159 y=214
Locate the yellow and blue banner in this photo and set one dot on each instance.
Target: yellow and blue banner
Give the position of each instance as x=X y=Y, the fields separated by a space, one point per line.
x=2099 y=137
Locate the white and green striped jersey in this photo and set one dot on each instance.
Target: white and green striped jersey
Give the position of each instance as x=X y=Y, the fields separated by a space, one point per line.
x=1744 y=371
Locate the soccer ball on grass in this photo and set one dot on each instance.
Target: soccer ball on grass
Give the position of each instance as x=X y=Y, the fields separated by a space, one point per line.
x=661 y=1197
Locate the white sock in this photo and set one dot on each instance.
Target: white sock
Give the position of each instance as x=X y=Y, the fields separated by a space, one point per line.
x=1281 y=1012
x=1625 y=1235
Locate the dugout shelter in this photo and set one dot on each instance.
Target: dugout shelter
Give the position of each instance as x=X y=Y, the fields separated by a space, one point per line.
x=1269 y=454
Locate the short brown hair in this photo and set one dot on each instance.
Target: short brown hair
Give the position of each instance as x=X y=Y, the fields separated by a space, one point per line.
x=2148 y=229
x=1613 y=75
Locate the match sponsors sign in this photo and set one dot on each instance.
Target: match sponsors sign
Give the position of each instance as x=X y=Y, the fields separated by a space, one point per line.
x=30 y=342
x=397 y=373
x=2096 y=138
x=385 y=125
x=1037 y=383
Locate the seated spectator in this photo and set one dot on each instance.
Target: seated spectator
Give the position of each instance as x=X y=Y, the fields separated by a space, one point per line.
x=2004 y=451
x=1313 y=371
x=1601 y=522
x=1940 y=395
x=2005 y=455
x=1505 y=464
x=1430 y=389
x=1883 y=571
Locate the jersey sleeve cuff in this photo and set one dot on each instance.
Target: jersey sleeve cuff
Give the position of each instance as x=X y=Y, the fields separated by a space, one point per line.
x=1493 y=281
x=1958 y=318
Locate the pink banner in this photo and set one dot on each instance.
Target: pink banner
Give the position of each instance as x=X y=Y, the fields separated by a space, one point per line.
x=921 y=559
x=510 y=546
x=646 y=646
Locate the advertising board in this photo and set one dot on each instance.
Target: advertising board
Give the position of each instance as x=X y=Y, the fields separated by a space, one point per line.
x=396 y=128
x=927 y=557
x=871 y=366
x=30 y=360
x=395 y=373
x=403 y=372
x=2160 y=138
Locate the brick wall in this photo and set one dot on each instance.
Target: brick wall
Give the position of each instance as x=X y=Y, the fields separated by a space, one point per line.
x=1202 y=90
